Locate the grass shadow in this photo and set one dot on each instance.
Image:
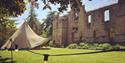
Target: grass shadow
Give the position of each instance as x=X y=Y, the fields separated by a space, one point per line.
x=6 y=60
x=103 y=51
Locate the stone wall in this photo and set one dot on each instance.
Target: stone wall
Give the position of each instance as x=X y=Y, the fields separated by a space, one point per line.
x=75 y=28
x=60 y=31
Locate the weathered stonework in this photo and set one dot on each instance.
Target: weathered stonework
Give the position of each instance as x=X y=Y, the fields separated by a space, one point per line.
x=75 y=28
x=60 y=25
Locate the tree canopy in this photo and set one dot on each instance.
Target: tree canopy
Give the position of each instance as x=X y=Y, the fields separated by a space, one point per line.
x=63 y=4
x=74 y=4
x=47 y=24
x=11 y=7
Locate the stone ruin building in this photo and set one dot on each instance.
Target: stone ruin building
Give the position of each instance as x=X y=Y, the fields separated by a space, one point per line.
x=91 y=26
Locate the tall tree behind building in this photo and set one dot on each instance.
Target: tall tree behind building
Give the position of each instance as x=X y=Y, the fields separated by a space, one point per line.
x=33 y=22
x=47 y=24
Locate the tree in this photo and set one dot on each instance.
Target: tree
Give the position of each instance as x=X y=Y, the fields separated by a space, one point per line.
x=47 y=24
x=63 y=4
x=33 y=21
x=11 y=7
x=7 y=28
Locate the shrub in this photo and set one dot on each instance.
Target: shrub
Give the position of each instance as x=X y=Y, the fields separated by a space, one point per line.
x=105 y=46
x=95 y=46
x=116 y=47
x=83 y=46
x=72 y=46
x=51 y=44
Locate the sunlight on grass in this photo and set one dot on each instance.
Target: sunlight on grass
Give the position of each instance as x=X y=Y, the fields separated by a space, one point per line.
x=23 y=56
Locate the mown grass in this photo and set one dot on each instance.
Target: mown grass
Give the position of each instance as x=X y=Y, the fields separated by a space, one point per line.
x=28 y=57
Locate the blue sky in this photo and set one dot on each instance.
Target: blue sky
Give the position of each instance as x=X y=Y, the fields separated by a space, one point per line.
x=89 y=5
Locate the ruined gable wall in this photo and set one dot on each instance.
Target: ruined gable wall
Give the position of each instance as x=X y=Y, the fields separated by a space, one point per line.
x=116 y=24
x=63 y=30
x=73 y=35
x=70 y=26
x=97 y=26
x=118 y=21
x=55 y=36
x=82 y=24
x=60 y=31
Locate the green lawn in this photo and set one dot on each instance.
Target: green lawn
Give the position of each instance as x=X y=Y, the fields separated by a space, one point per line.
x=28 y=57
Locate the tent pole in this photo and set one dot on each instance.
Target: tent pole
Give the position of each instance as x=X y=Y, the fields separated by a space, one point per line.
x=11 y=51
x=11 y=56
x=46 y=56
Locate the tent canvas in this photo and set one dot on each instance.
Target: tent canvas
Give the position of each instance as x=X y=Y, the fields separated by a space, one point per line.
x=24 y=38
